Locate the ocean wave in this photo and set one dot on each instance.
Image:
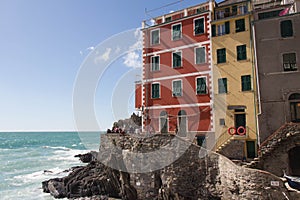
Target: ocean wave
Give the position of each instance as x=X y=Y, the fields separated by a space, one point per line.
x=61 y=148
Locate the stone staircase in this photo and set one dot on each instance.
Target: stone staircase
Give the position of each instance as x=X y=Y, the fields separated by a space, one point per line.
x=273 y=142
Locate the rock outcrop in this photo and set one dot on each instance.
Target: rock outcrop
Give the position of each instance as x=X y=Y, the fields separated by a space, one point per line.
x=195 y=173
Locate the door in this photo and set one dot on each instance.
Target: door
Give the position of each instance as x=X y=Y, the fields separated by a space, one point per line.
x=240 y=120
x=182 y=120
x=295 y=111
x=250 y=149
x=163 y=122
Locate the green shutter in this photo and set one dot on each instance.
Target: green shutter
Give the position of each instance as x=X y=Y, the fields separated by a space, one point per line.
x=201 y=86
x=240 y=25
x=246 y=83
x=227 y=27
x=155 y=91
x=213 y=30
x=199 y=26
x=241 y=52
x=221 y=55
x=176 y=59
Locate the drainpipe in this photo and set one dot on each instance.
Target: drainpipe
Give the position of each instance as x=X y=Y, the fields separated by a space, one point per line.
x=253 y=39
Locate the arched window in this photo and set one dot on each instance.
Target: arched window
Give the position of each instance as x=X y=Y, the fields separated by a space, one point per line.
x=163 y=118
x=182 y=123
x=294 y=100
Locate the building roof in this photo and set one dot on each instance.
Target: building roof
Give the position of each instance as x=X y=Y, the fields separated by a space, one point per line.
x=229 y=2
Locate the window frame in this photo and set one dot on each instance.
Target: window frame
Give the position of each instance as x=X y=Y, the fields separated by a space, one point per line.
x=283 y=30
x=283 y=62
x=246 y=86
x=155 y=56
x=218 y=60
x=225 y=88
x=194 y=26
x=151 y=37
x=243 y=50
x=244 y=27
x=175 y=52
x=196 y=85
x=159 y=92
x=181 y=87
x=195 y=55
x=172 y=32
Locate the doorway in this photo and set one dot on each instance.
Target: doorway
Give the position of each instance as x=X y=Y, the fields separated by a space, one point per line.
x=251 y=153
x=163 y=118
x=294 y=161
x=294 y=100
x=182 y=121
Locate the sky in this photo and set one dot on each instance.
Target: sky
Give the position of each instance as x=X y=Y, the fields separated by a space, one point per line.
x=46 y=45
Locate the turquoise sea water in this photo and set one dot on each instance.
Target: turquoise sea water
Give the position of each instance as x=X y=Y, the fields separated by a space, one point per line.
x=25 y=155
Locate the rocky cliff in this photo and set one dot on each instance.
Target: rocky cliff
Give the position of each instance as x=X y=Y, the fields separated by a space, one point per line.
x=195 y=173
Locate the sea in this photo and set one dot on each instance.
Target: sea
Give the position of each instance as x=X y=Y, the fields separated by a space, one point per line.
x=28 y=158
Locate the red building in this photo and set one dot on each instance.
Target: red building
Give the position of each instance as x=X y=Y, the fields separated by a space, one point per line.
x=175 y=93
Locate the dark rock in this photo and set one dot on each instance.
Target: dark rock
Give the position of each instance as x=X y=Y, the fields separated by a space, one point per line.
x=88 y=157
x=55 y=187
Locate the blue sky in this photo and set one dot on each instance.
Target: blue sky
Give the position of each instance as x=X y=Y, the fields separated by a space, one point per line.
x=44 y=44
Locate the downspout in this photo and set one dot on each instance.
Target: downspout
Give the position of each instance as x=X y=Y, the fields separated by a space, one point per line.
x=257 y=84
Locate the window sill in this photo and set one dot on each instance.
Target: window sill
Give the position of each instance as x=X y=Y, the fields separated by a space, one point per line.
x=247 y=91
x=243 y=60
x=176 y=39
x=178 y=67
x=204 y=94
x=155 y=45
x=199 y=34
x=222 y=63
x=158 y=98
x=156 y=71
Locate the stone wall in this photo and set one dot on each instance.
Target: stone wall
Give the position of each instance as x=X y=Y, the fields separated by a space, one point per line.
x=196 y=174
x=274 y=152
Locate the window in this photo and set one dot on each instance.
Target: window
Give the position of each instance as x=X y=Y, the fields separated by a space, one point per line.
x=240 y=25
x=286 y=28
x=221 y=55
x=289 y=62
x=176 y=32
x=155 y=37
x=234 y=10
x=201 y=85
x=155 y=91
x=241 y=52
x=246 y=83
x=222 y=122
x=222 y=85
x=243 y=9
x=213 y=30
x=199 y=26
x=168 y=19
x=177 y=88
x=200 y=55
x=270 y=14
x=223 y=28
x=176 y=59
x=155 y=63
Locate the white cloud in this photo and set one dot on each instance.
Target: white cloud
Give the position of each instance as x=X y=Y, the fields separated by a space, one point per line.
x=103 y=57
x=133 y=59
x=90 y=48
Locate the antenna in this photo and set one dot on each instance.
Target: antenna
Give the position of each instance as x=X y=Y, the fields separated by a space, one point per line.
x=161 y=7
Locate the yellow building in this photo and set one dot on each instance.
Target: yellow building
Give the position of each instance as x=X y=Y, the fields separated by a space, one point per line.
x=234 y=80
